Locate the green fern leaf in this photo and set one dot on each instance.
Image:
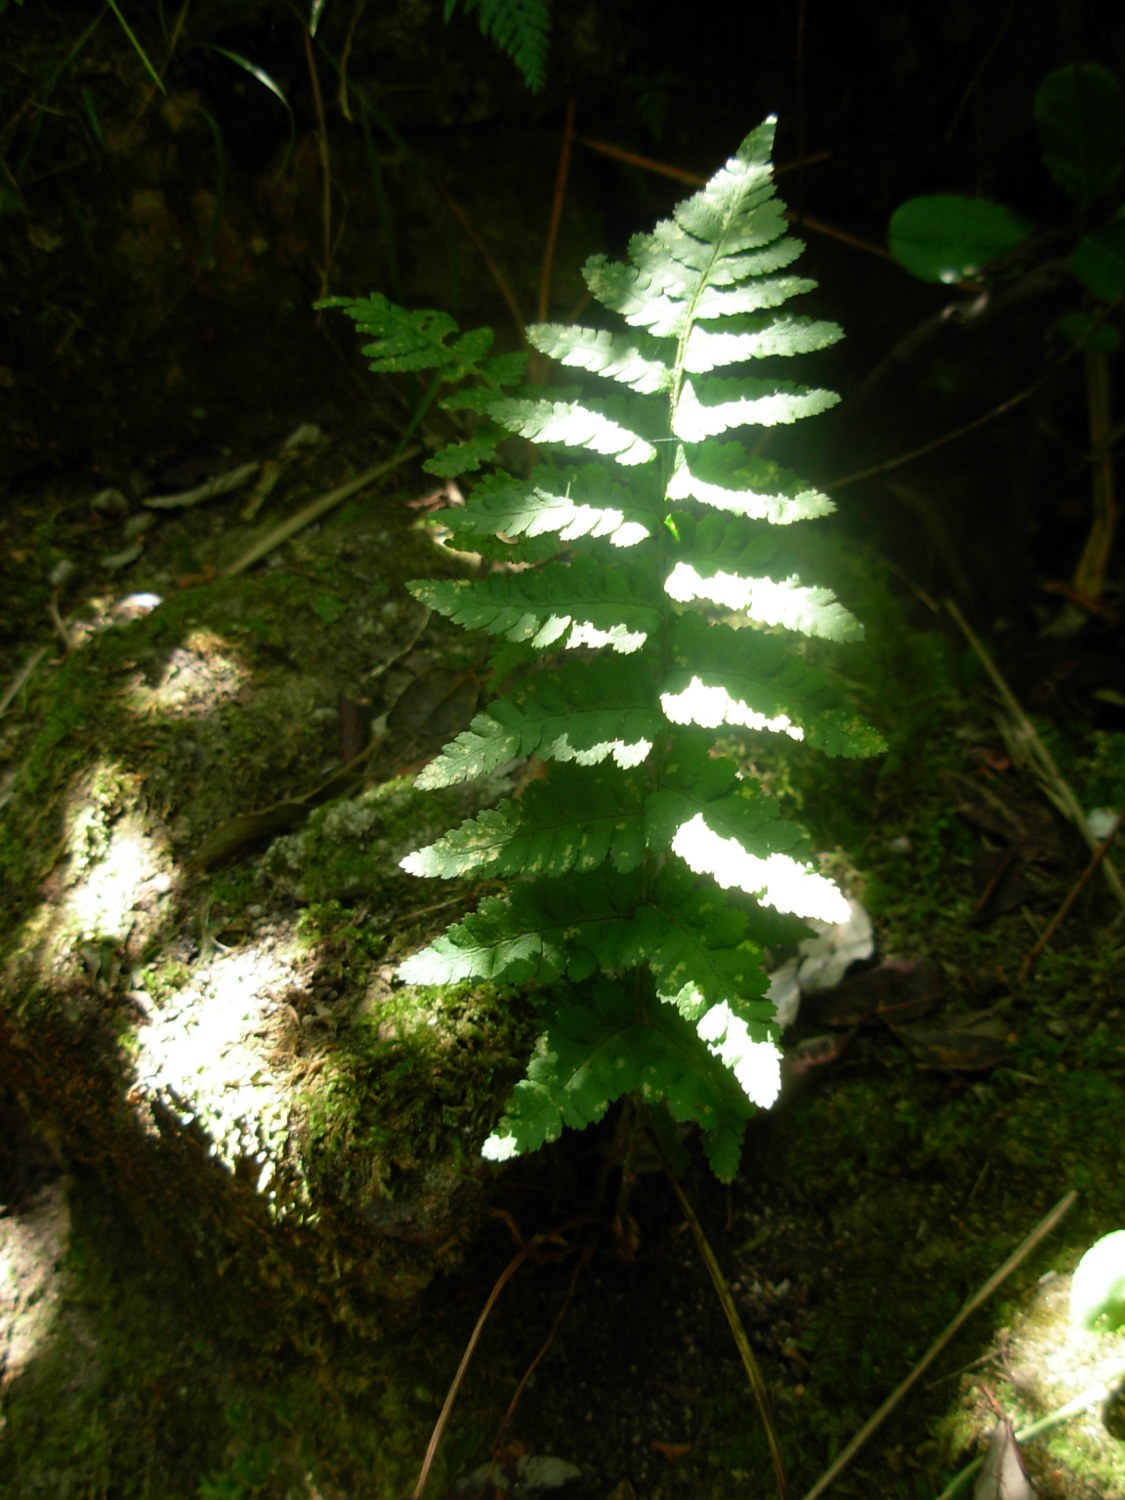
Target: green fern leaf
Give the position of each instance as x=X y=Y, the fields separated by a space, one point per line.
x=579 y=822
x=602 y=353
x=727 y=478
x=585 y=712
x=646 y=874
x=580 y=603
x=727 y=405
x=521 y=28
x=573 y=425
x=707 y=350
x=595 y=1052
x=746 y=681
x=571 y=504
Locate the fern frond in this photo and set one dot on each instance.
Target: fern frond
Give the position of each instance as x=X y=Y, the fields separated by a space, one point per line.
x=520 y=28
x=602 y=353
x=596 y=1051
x=707 y=350
x=746 y=681
x=646 y=874
x=727 y=478
x=572 y=424
x=579 y=822
x=733 y=403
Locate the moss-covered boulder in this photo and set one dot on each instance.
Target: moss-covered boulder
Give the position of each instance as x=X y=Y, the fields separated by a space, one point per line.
x=202 y=909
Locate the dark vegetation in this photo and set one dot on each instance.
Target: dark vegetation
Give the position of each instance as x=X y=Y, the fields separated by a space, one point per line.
x=162 y=251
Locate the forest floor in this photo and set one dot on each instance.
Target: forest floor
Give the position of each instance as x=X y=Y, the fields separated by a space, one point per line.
x=967 y=1092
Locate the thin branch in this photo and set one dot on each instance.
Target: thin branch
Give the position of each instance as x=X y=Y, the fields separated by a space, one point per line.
x=1017 y=1257
x=734 y=1322
x=1031 y=958
x=312 y=512
x=1058 y=788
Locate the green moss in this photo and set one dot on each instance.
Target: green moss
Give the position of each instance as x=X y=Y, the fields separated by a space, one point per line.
x=419 y=1078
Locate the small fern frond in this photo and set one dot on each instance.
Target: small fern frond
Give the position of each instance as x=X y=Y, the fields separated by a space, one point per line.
x=520 y=28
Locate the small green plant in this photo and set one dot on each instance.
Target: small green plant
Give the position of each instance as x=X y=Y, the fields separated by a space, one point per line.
x=1080 y=121
x=643 y=607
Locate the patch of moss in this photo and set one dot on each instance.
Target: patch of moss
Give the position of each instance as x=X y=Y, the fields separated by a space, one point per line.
x=419 y=1078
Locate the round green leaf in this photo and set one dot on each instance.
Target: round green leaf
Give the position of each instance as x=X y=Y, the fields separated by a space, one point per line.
x=1081 y=327
x=1080 y=116
x=1099 y=262
x=949 y=237
x=1097 y=1294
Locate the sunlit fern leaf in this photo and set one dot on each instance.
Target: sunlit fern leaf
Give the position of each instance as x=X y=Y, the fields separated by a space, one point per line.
x=585 y=712
x=647 y=874
x=572 y=424
x=580 y=603
x=734 y=403
x=706 y=349
x=727 y=478
x=602 y=353
x=569 y=503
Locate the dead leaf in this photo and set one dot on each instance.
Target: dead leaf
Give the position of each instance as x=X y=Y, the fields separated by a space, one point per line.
x=673 y=1452
x=1003 y=1476
x=960 y=1044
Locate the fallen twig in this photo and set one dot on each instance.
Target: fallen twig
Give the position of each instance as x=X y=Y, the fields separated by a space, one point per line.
x=1031 y=957
x=1041 y=1230
x=312 y=512
x=1057 y=787
x=734 y=1322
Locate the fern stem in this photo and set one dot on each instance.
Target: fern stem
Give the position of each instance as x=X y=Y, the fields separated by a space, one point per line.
x=734 y=1322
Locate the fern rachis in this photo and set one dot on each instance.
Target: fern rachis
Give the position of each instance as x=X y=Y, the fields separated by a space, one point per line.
x=647 y=872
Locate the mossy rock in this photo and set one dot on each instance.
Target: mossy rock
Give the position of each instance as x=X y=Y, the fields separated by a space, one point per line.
x=224 y=1040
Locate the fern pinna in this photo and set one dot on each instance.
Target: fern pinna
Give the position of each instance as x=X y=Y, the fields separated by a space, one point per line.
x=646 y=872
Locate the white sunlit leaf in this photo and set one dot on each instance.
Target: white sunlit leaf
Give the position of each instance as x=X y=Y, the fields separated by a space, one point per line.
x=755 y=505
x=712 y=706
x=755 y=1064
x=624 y=753
x=788 y=603
x=778 y=880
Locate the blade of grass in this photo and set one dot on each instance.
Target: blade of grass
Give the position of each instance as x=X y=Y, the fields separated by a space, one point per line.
x=136 y=46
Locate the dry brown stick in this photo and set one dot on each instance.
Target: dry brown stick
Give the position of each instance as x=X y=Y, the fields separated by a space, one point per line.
x=1060 y=790
x=1020 y=1254
x=313 y=511
x=734 y=1322
x=531 y=1248
x=544 y=307
x=1031 y=957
